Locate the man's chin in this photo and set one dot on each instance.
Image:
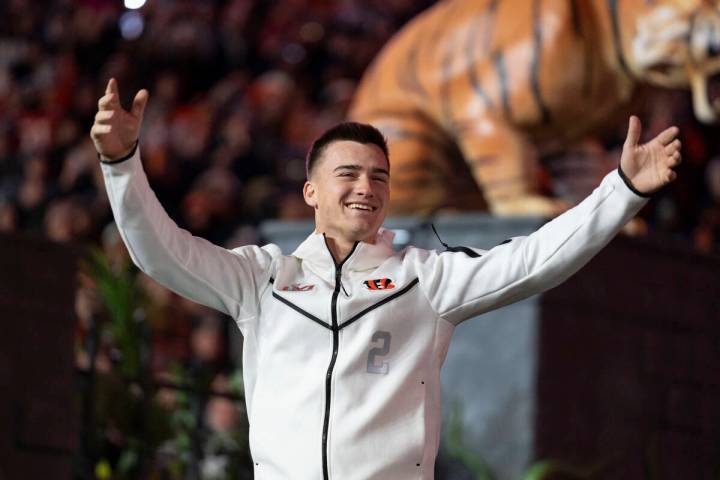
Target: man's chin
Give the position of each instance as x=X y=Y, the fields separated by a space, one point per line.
x=364 y=232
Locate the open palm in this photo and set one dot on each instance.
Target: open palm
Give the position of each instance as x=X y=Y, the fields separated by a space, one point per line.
x=649 y=166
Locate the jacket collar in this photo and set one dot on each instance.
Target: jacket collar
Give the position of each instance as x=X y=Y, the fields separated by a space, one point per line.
x=366 y=256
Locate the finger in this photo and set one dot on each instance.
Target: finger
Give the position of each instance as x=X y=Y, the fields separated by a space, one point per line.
x=667 y=135
x=633 y=134
x=139 y=102
x=673 y=147
x=112 y=87
x=675 y=159
x=97 y=130
x=109 y=101
x=103 y=117
x=672 y=175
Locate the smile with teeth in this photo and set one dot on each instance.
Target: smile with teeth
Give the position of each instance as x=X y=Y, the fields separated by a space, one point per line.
x=360 y=206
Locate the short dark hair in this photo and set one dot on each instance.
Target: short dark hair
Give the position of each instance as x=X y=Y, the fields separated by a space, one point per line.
x=353 y=131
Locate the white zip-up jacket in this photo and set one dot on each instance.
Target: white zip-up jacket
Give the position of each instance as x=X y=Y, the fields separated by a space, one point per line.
x=342 y=361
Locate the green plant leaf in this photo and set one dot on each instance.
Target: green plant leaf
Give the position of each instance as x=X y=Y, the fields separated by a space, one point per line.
x=129 y=460
x=456 y=449
x=545 y=469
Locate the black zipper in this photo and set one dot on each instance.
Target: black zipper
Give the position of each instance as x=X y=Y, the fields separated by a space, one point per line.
x=335 y=333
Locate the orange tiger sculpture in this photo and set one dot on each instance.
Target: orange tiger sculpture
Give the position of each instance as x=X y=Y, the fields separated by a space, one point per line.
x=494 y=84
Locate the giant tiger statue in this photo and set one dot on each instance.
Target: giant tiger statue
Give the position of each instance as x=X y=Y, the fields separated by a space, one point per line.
x=494 y=84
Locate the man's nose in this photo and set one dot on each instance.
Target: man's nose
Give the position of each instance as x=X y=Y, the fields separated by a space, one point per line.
x=364 y=186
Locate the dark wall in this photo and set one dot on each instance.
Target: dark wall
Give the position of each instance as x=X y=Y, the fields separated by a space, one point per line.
x=38 y=421
x=629 y=369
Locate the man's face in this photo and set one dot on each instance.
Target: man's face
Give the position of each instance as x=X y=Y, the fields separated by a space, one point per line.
x=349 y=190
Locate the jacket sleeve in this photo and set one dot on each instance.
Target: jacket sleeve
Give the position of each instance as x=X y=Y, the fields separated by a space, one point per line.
x=460 y=287
x=227 y=280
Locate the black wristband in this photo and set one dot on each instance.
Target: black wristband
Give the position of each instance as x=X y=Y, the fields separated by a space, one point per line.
x=119 y=160
x=630 y=185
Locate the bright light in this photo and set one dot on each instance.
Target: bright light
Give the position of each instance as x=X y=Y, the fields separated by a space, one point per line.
x=134 y=4
x=131 y=25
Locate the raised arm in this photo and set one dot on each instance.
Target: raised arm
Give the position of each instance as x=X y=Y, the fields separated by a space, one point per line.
x=460 y=286
x=227 y=280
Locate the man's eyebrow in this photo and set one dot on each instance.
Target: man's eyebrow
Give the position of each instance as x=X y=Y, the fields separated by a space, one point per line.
x=355 y=167
x=348 y=167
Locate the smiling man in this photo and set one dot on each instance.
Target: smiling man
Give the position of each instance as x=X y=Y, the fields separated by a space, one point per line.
x=344 y=338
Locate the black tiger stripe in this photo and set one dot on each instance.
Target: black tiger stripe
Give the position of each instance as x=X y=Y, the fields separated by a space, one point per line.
x=490 y=27
x=451 y=40
x=535 y=66
x=446 y=147
x=371 y=284
x=407 y=78
x=499 y=63
x=445 y=85
x=575 y=17
x=588 y=49
x=440 y=29
x=486 y=19
x=465 y=125
x=617 y=36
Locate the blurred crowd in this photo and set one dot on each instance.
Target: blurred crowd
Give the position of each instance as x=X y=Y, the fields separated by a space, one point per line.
x=238 y=90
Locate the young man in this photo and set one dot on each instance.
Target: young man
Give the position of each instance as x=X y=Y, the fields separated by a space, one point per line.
x=344 y=338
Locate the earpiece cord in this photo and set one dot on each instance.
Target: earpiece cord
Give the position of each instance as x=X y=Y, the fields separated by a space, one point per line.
x=438 y=237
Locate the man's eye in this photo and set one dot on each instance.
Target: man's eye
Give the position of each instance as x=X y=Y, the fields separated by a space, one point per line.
x=381 y=179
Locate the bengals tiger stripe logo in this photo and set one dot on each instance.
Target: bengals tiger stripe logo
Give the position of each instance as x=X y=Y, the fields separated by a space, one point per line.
x=379 y=284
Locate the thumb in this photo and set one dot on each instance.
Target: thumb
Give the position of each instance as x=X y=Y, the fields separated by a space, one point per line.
x=633 y=134
x=138 y=106
x=112 y=87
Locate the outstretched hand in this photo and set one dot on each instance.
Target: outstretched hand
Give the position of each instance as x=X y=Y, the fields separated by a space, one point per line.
x=115 y=129
x=649 y=166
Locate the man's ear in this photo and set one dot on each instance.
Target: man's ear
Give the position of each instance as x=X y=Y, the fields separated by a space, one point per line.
x=310 y=194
